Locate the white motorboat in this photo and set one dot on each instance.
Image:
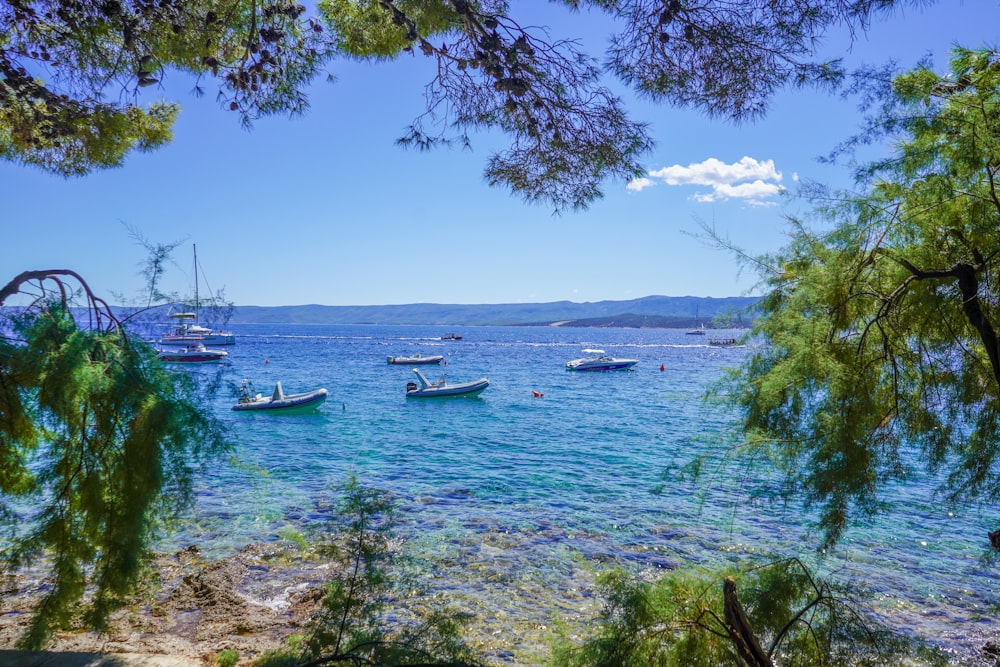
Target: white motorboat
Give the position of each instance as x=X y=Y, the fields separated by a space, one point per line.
x=278 y=401
x=426 y=388
x=416 y=359
x=194 y=353
x=600 y=361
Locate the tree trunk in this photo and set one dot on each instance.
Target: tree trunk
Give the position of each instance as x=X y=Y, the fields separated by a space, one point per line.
x=968 y=285
x=740 y=631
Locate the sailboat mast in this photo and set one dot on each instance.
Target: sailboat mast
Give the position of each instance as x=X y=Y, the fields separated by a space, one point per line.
x=194 y=246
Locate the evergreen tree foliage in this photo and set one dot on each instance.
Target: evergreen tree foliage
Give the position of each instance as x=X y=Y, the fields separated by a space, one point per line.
x=62 y=62
x=152 y=268
x=98 y=443
x=362 y=619
x=882 y=357
x=783 y=615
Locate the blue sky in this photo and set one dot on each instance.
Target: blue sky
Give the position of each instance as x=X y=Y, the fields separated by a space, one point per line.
x=326 y=209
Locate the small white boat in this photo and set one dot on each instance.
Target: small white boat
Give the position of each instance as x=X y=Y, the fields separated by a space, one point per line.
x=279 y=401
x=195 y=353
x=441 y=388
x=416 y=360
x=600 y=361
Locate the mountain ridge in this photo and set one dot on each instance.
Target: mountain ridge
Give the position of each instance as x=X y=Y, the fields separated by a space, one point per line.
x=649 y=311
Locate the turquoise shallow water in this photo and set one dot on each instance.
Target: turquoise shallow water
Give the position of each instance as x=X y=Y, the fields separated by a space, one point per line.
x=530 y=489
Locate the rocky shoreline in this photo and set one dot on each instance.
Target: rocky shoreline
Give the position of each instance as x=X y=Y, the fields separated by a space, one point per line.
x=251 y=601
x=247 y=602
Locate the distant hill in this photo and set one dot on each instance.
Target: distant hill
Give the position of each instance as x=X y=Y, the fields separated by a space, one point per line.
x=650 y=311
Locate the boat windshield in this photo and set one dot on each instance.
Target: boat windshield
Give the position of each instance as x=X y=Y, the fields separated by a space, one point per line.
x=423 y=380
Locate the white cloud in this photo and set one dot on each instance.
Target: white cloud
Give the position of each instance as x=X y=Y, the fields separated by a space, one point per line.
x=638 y=184
x=748 y=179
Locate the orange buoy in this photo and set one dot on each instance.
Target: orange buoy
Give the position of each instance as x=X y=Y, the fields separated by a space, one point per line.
x=267 y=361
x=662 y=368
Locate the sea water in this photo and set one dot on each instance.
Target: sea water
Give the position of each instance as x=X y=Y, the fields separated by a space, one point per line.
x=551 y=475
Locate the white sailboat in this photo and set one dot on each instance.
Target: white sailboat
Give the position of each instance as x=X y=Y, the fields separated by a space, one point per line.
x=187 y=330
x=700 y=331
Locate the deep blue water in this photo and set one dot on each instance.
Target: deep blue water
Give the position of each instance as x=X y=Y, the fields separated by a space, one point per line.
x=532 y=490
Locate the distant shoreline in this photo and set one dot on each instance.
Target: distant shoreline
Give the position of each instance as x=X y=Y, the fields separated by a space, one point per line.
x=660 y=312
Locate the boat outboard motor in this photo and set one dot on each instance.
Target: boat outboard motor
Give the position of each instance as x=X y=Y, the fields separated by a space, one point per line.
x=411 y=386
